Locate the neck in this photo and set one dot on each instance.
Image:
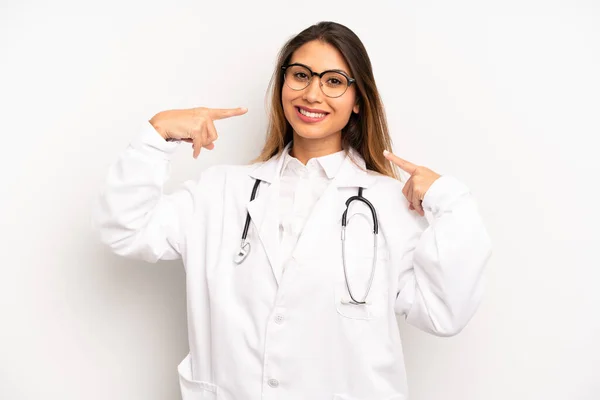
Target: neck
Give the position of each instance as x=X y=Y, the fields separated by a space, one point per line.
x=304 y=149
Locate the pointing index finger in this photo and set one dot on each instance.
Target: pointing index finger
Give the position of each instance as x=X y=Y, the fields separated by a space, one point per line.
x=402 y=163
x=221 y=113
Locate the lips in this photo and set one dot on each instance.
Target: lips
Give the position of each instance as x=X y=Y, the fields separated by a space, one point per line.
x=308 y=119
x=312 y=110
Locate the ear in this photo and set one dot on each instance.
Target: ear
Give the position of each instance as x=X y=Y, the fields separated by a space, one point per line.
x=356 y=108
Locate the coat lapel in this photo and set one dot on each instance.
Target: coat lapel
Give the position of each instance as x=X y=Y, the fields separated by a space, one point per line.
x=352 y=175
x=264 y=209
x=325 y=220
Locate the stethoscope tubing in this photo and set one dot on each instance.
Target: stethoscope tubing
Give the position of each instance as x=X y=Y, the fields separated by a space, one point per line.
x=245 y=245
x=375 y=233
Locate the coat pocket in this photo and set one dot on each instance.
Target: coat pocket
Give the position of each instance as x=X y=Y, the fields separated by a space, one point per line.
x=192 y=389
x=359 y=265
x=374 y=307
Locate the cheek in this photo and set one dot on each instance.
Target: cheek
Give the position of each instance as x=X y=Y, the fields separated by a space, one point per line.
x=286 y=101
x=344 y=107
x=285 y=96
x=345 y=103
x=288 y=95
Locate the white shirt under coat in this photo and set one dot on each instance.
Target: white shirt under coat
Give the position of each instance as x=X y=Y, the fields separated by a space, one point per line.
x=301 y=187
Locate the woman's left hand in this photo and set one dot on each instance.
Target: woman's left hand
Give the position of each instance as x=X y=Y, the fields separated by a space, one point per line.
x=419 y=183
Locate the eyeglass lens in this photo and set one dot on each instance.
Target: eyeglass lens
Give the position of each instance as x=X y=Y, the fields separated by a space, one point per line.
x=333 y=84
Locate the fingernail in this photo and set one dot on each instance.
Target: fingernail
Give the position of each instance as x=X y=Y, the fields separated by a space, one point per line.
x=385 y=152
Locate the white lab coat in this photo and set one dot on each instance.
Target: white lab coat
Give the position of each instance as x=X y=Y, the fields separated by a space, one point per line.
x=263 y=330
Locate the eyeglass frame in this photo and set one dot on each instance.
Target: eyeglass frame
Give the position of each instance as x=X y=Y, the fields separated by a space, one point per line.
x=320 y=75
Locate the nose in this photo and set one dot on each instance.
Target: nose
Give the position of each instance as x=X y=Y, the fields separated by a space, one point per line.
x=313 y=93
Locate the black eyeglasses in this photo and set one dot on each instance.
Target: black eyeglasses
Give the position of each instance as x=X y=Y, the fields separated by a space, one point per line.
x=333 y=82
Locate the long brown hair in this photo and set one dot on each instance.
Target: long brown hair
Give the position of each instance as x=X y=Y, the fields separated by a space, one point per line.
x=367 y=131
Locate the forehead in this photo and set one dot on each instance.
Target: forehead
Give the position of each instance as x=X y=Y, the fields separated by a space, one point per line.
x=319 y=56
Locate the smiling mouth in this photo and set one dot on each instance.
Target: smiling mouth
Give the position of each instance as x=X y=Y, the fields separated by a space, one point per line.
x=311 y=115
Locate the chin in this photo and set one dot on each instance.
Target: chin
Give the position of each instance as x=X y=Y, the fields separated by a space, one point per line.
x=312 y=133
x=309 y=131
x=303 y=133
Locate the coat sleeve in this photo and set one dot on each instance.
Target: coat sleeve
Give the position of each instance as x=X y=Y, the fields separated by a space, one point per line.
x=132 y=214
x=441 y=276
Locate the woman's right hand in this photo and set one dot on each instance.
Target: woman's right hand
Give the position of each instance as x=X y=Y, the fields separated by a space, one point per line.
x=193 y=125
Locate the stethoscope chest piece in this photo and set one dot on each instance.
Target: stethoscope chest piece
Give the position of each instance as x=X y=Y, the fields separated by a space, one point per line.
x=244 y=250
x=242 y=253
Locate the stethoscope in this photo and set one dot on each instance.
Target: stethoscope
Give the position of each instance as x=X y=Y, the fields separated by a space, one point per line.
x=245 y=245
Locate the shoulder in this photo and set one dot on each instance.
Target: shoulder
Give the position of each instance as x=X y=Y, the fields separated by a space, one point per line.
x=392 y=206
x=227 y=174
x=386 y=191
x=383 y=182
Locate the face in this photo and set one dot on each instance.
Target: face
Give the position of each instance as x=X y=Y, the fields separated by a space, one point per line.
x=318 y=56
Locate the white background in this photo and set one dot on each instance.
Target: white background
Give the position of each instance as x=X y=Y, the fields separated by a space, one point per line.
x=504 y=95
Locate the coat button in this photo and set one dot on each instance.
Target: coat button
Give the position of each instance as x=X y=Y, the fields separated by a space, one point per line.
x=279 y=319
x=273 y=383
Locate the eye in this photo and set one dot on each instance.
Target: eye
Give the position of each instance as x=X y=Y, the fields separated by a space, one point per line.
x=301 y=75
x=334 y=80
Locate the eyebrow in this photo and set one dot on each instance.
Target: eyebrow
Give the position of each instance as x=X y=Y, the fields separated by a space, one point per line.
x=329 y=69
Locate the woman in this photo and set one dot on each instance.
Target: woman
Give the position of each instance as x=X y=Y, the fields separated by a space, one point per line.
x=291 y=311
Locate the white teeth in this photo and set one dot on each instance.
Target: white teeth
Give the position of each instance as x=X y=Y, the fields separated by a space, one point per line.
x=310 y=114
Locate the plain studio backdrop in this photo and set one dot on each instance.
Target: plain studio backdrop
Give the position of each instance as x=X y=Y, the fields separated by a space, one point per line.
x=503 y=95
